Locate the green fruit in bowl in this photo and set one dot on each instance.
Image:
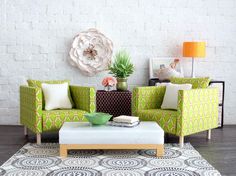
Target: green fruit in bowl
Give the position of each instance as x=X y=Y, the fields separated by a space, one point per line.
x=98 y=118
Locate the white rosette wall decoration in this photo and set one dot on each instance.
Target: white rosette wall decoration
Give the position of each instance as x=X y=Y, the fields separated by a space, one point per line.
x=91 y=52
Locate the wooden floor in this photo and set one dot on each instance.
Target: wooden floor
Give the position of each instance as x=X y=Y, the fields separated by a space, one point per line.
x=220 y=151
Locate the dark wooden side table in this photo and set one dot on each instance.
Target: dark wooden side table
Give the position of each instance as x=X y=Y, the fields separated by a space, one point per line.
x=114 y=102
x=213 y=83
x=221 y=86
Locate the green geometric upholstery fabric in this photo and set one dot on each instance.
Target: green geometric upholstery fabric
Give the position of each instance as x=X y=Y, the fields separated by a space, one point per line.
x=147 y=98
x=38 y=84
x=84 y=98
x=37 y=120
x=197 y=83
x=31 y=108
x=165 y=118
x=197 y=109
x=53 y=120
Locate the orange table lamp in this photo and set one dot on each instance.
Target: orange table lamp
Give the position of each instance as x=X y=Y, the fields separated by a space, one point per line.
x=194 y=50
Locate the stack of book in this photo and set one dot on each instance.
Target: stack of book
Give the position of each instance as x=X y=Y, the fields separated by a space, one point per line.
x=125 y=121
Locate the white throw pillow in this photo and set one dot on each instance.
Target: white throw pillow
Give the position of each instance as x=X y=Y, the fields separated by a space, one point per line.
x=56 y=96
x=170 y=100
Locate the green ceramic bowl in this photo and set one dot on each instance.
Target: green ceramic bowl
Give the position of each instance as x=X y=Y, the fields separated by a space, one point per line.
x=98 y=118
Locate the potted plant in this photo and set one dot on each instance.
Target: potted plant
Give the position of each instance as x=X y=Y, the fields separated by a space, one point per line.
x=122 y=68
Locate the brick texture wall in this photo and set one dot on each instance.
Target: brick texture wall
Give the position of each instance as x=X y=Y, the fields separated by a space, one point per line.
x=35 y=37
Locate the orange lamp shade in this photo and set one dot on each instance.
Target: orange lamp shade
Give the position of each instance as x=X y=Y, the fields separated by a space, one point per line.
x=194 y=49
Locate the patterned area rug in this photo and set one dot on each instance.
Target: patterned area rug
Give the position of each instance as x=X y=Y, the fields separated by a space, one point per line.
x=37 y=160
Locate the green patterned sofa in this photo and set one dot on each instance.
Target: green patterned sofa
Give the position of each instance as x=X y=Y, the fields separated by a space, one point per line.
x=197 y=110
x=34 y=117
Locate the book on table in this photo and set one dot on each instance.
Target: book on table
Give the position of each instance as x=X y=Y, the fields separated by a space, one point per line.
x=125 y=121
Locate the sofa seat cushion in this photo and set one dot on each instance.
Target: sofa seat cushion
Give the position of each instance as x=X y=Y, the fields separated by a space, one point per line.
x=165 y=118
x=53 y=120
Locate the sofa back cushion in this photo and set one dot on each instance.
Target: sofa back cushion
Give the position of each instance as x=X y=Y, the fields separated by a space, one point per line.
x=38 y=84
x=197 y=83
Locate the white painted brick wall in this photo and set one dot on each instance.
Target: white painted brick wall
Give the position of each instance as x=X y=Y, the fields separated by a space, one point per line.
x=35 y=38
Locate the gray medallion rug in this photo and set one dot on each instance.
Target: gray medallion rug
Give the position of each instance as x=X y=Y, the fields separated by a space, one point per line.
x=37 y=160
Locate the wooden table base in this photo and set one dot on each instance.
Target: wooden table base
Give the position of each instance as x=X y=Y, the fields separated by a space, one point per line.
x=65 y=147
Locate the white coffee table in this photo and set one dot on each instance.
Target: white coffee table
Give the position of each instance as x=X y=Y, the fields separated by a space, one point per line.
x=83 y=135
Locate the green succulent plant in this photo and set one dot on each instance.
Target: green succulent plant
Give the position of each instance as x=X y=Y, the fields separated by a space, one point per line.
x=122 y=66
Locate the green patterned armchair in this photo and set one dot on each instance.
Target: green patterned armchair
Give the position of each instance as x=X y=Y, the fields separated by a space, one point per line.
x=34 y=117
x=197 y=110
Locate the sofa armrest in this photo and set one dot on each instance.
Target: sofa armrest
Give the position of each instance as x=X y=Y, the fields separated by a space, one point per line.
x=31 y=108
x=83 y=97
x=197 y=110
x=147 y=98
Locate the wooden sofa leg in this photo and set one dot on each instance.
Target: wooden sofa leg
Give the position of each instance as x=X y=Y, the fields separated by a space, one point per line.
x=209 y=134
x=25 y=131
x=38 y=138
x=181 y=141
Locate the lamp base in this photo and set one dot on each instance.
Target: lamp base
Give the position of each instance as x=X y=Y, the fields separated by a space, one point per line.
x=192 y=73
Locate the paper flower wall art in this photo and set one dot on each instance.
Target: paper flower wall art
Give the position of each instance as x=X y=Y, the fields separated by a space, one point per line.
x=91 y=52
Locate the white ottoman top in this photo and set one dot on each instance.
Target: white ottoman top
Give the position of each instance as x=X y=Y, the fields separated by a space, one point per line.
x=85 y=133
